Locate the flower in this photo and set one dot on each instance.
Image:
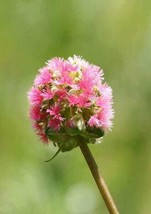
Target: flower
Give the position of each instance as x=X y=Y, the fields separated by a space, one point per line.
x=94 y=121
x=34 y=96
x=69 y=99
x=44 y=77
x=34 y=112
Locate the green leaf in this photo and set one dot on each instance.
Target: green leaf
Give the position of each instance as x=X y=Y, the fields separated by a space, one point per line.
x=58 y=151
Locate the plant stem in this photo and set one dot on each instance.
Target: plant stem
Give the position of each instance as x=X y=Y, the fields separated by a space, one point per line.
x=110 y=204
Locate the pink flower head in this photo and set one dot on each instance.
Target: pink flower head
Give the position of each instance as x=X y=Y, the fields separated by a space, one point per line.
x=81 y=100
x=94 y=121
x=54 y=124
x=68 y=99
x=34 y=96
x=40 y=132
x=47 y=94
x=54 y=110
x=34 y=113
x=44 y=77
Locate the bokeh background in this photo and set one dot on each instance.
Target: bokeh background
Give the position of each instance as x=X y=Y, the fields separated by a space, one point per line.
x=115 y=35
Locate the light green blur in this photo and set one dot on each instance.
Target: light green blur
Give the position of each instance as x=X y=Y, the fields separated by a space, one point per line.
x=115 y=35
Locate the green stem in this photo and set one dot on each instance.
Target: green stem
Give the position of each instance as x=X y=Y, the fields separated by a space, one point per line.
x=110 y=204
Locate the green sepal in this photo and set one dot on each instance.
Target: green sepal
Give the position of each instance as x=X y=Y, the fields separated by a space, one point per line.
x=66 y=139
x=68 y=145
x=96 y=131
x=74 y=131
x=88 y=135
x=54 y=135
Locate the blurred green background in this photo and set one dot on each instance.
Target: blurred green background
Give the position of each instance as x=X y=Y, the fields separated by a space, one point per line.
x=115 y=35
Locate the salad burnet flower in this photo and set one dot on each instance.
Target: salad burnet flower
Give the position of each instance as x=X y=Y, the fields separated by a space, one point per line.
x=69 y=99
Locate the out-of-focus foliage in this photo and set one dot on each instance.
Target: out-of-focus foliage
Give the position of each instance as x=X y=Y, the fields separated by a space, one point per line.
x=116 y=35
